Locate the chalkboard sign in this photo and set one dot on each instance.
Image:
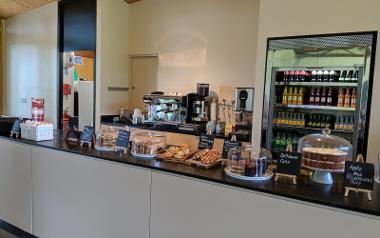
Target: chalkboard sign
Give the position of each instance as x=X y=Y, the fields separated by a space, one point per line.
x=87 y=134
x=289 y=163
x=359 y=175
x=123 y=139
x=206 y=141
x=227 y=145
x=16 y=129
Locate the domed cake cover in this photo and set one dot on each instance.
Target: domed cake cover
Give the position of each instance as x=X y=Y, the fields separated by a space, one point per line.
x=324 y=151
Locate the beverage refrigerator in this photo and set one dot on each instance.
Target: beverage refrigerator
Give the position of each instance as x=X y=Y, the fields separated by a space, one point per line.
x=317 y=82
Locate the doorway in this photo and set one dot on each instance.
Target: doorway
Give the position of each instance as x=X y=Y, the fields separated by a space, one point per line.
x=144 y=77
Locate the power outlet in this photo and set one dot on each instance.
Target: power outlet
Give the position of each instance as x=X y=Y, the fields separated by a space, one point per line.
x=24 y=100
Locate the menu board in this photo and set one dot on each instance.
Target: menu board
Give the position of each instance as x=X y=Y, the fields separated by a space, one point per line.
x=289 y=163
x=359 y=175
x=123 y=139
x=206 y=141
x=16 y=126
x=87 y=134
x=228 y=145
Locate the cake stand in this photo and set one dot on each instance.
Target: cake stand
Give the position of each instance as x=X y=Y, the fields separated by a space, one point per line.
x=323 y=176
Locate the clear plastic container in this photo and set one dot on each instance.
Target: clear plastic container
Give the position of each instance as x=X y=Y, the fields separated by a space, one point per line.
x=105 y=140
x=324 y=151
x=245 y=161
x=147 y=144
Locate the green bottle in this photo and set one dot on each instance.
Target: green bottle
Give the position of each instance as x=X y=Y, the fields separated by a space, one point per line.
x=283 y=142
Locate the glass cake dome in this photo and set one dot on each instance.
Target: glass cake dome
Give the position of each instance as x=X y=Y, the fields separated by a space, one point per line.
x=324 y=153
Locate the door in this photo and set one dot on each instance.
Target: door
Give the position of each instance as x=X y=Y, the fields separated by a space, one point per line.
x=144 y=72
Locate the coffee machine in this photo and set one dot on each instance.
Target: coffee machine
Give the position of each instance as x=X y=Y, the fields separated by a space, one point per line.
x=197 y=105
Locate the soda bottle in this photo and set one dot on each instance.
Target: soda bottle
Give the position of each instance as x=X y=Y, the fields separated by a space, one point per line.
x=295 y=96
x=332 y=76
x=302 y=120
x=340 y=98
x=300 y=97
x=296 y=76
x=302 y=75
x=323 y=97
x=353 y=98
x=291 y=76
x=288 y=140
x=337 y=121
x=323 y=122
x=290 y=96
x=283 y=142
x=355 y=76
x=326 y=76
x=329 y=98
x=349 y=76
x=319 y=75
x=285 y=96
x=311 y=97
x=314 y=76
x=328 y=122
x=342 y=76
x=351 y=124
x=317 y=98
x=275 y=118
x=285 y=79
x=347 y=98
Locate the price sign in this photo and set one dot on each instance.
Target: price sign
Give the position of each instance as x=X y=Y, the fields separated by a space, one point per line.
x=228 y=145
x=123 y=139
x=359 y=175
x=289 y=163
x=206 y=141
x=87 y=135
x=16 y=129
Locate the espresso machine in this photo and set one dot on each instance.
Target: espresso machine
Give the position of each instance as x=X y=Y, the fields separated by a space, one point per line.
x=197 y=105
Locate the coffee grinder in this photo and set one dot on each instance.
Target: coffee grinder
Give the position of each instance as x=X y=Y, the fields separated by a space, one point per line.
x=197 y=105
x=243 y=111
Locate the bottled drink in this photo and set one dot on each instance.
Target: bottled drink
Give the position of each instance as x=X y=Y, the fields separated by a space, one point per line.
x=318 y=121
x=348 y=75
x=290 y=96
x=332 y=76
x=323 y=97
x=296 y=76
x=319 y=75
x=317 y=98
x=329 y=98
x=282 y=121
x=312 y=97
x=355 y=76
x=314 y=120
x=302 y=120
x=346 y=125
x=295 y=142
x=310 y=122
x=283 y=142
x=274 y=119
x=353 y=98
x=286 y=118
x=302 y=75
x=295 y=96
x=314 y=76
x=336 y=125
x=285 y=96
x=351 y=124
x=289 y=141
x=291 y=76
x=286 y=75
x=347 y=98
x=326 y=76
x=342 y=75
x=323 y=121
x=300 y=97
x=328 y=121
x=340 y=98
x=277 y=142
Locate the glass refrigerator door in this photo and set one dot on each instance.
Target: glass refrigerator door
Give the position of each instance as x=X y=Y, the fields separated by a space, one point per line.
x=314 y=83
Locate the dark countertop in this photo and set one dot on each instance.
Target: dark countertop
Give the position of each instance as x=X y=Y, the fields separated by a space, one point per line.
x=305 y=190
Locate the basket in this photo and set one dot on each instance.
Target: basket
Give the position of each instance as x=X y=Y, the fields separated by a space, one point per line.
x=37 y=133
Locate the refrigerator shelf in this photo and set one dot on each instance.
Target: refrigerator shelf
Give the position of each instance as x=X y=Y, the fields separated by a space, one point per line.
x=318 y=84
x=316 y=107
x=308 y=129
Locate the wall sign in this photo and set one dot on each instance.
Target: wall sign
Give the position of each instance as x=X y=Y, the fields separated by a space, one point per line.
x=358 y=177
x=206 y=141
x=289 y=163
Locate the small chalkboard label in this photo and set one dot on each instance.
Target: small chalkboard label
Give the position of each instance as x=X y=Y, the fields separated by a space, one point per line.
x=87 y=134
x=228 y=145
x=289 y=163
x=123 y=139
x=16 y=129
x=206 y=141
x=359 y=175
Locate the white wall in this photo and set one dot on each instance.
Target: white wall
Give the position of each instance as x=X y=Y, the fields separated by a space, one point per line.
x=300 y=17
x=31 y=61
x=211 y=41
x=112 y=56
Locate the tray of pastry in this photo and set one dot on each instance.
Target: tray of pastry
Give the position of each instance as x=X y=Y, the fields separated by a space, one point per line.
x=206 y=158
x=175 y=153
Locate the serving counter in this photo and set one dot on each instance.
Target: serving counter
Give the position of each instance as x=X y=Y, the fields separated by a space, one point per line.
x=53 y=189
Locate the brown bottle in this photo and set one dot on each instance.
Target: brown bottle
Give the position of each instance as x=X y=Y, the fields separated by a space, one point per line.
x=317 y=99
x=353 y=98
x=329 y=97
x=347 y=98
x=340 y=98
x=323 y=97
x=311 y=97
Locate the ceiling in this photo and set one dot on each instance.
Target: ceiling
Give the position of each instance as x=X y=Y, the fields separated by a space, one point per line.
x=10 y=8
